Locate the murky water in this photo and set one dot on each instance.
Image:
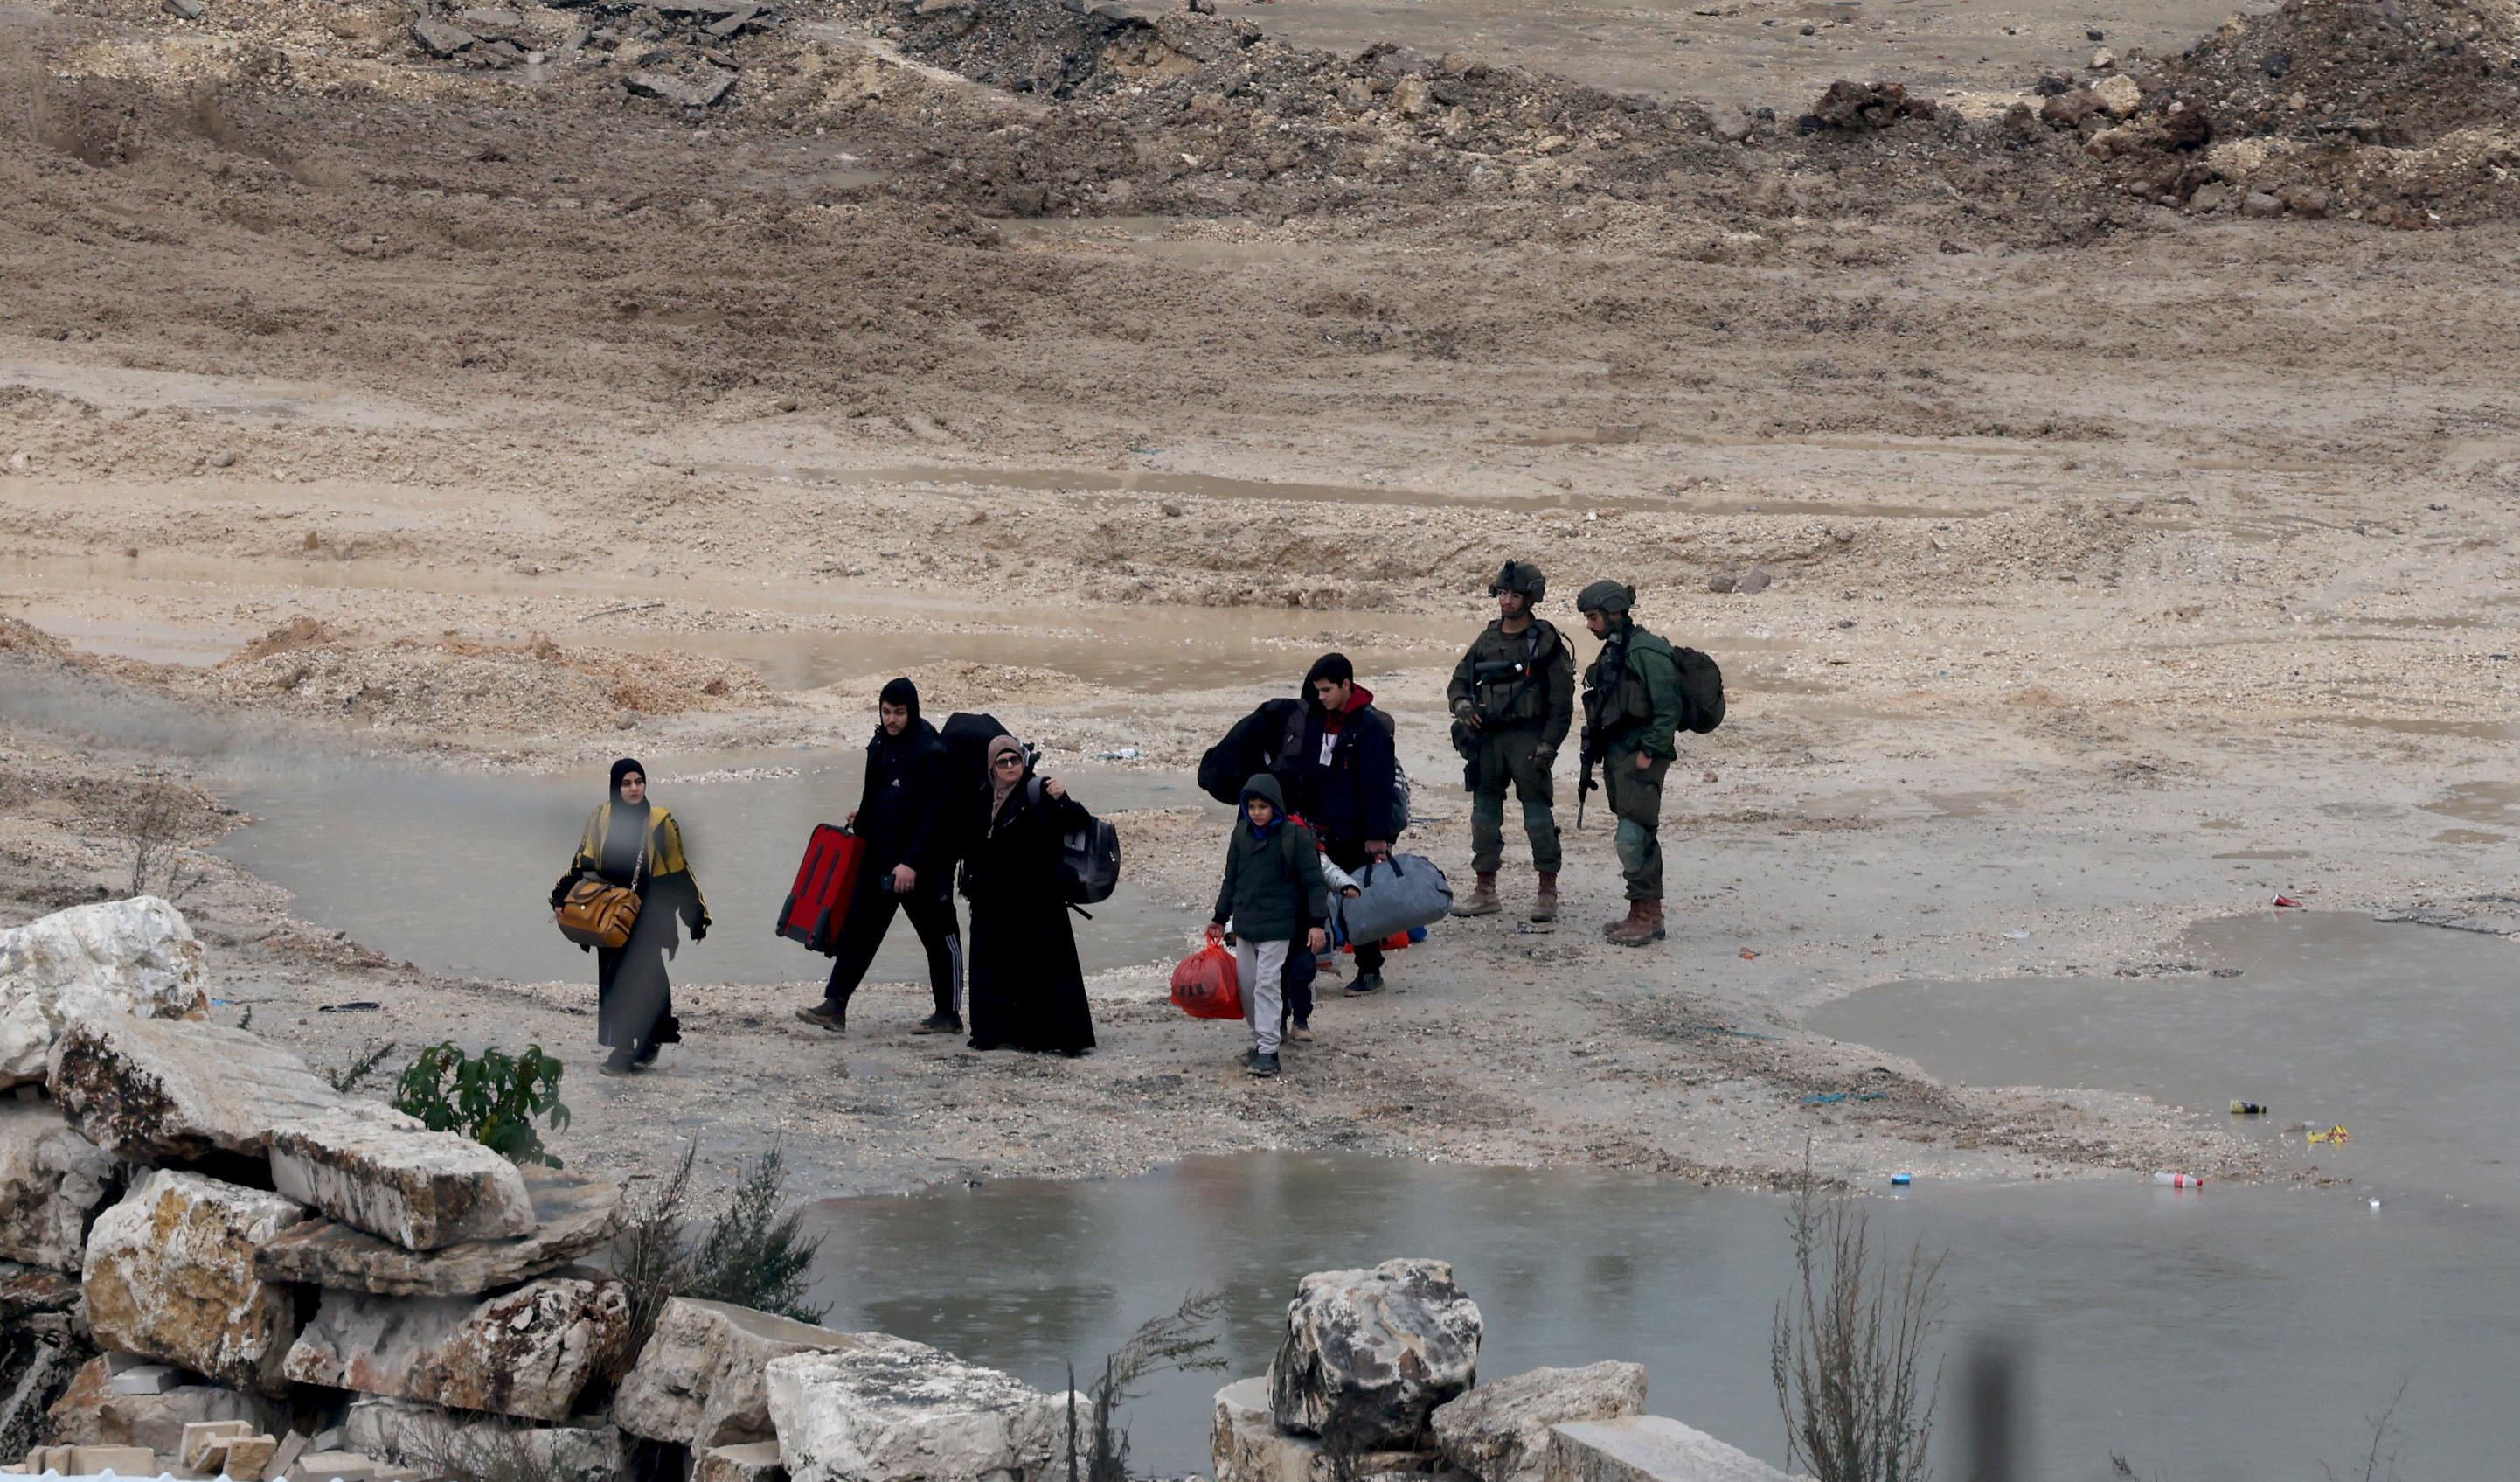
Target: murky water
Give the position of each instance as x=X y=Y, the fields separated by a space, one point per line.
x=454 y=873
x=2407 y=1036
x=2232 y=1334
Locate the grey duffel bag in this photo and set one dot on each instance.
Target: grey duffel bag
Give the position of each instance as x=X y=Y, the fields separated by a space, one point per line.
x=1395 y=894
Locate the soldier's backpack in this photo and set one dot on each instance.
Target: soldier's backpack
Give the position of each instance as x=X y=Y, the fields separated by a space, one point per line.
x=1701 y=691
x=1264 y=740
x=1088 y=858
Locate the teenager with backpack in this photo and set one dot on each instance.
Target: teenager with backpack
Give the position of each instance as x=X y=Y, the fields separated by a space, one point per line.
x=906 y=817
x=1274 y=898
x=1346 y=782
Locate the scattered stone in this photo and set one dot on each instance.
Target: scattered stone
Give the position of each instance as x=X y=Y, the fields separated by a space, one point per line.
x=528 y=1352
x=1858 y=105
x=421 y=1190
x=732 y=25
x=449 y=1443
x=2305 y=201
x=182 y=10
x=1721 y=581
x=1732 y=127
x=688 y=92
x=2259 y=205
x=90 y=1412
x=700 y=1380
x=156 y=1092
x=1498 y=1432
x=752 y=1462
x=171 y=1275
x=1368 y=1353
x=2068 y=109
x=1409 y=96
x=129 y=957
x=1755 y=582
x=1647 y=1448
x=2119 y=93
x=574 y=1213
x=2103 y=58
x=505 y=53
x=223 y=458
x=894 y=1411
x=441 y=40
x=491 y=22
x=2212 y=196
x=51 y=1180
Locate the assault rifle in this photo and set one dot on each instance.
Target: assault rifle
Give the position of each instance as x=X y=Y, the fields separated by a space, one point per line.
x=1592 y=754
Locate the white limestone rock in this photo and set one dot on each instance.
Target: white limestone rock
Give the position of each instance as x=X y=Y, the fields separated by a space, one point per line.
x=1498 y=1432
x=1647 y=1448
x=527 y=1352
x=1368 y=1353
x=442 y=1442
x=390 y=1176
x=51 y=1180
x=575 y=1212
x=702 y=1380
x=156 y=1091
x=894 y=1411
x=130 y=957
x=171 y=1275
x=752 y=1462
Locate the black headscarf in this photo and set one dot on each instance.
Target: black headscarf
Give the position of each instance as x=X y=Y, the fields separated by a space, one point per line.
x=901 y=691
x=624 y=840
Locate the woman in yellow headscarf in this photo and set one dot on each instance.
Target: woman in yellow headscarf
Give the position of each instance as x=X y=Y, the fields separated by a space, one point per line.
x=638 y=847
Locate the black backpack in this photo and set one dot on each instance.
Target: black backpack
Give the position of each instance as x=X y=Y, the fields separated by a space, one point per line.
x=1701 y=691
x=1258 y=743
x=1088 y=858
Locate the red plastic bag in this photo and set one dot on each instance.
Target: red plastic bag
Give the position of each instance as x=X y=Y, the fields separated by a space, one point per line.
x=1205 y=985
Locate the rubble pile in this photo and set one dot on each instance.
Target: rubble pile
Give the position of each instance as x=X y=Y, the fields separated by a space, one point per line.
x=266 y=1278
x=1376 y=1377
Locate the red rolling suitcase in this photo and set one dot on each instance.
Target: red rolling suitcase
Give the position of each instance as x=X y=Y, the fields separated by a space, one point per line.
x=820 y=900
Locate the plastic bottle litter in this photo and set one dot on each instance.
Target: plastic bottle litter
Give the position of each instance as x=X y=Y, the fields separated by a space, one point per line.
x=1903 y=1179
x=2248 y=1109
x=2178 y=1180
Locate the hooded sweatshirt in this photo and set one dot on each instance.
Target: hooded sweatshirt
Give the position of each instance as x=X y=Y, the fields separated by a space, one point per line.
x=1272 y=890
x=1346 y=770
x=908 y=789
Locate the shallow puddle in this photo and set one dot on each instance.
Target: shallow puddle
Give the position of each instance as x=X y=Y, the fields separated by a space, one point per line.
x=453 y=871
x=2225 y=1335
x=2480 y=802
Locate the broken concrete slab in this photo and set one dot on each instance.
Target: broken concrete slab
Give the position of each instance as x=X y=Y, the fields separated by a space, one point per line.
x=51 y=1180
x=735 y=22
x=1498 y=1432
x=130 y=957
x=491 y=22
x=421 y=1190
x=527 y=1352
x=156 y=1091
x=1647 y=1448
x=193 y=1448
x=752 y=1462
x=171 y=1275
x=894 y=1411
x=440 y=38
x=573 y=1213
x=701 y=1380
x=688 y=92
x=1368 y=1353
x=450 y=1443
x=91 y=1413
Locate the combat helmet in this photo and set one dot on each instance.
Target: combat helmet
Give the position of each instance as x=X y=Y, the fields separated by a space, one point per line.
x=1520 y=576
x=1607 y=596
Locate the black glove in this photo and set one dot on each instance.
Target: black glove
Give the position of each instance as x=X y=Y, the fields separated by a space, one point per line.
x=700 y=929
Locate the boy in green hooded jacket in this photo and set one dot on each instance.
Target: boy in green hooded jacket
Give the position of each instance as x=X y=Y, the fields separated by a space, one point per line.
x=1273 y=895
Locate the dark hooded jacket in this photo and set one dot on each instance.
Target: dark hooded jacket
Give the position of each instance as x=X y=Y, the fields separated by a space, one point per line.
x=1274 y=890
x=1350 y=796
x=905 y=815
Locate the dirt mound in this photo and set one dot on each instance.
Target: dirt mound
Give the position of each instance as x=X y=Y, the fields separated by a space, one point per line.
x=469 y=688
x=288 y=638
x=949 y=687
x=30 y=641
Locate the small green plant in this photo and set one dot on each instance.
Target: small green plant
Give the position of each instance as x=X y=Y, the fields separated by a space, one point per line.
x=754 y=1256
x=493 y=1098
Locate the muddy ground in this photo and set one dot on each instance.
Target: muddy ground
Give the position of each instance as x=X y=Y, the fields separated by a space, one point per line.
x=2136 y=505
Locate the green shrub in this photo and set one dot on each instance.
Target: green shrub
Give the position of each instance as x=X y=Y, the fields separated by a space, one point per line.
x=492 y=1099
x=752 y=1256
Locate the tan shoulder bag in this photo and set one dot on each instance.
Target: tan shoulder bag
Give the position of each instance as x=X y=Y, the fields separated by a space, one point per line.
x=598 y=913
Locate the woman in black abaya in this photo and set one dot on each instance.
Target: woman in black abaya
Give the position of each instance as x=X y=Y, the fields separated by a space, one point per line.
x=633 y=844
x=1028 y=991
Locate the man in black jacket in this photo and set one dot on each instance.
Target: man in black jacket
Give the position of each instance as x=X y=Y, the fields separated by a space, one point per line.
x=1344 y=778
x=905 y=816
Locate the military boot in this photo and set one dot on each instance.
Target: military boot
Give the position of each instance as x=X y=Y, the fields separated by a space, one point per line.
x=1643 y=924
x=1483 y=899
x=1544 y=903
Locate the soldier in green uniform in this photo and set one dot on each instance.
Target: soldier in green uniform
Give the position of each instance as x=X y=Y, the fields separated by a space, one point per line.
x=1631 y=716
x=1513 y=700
